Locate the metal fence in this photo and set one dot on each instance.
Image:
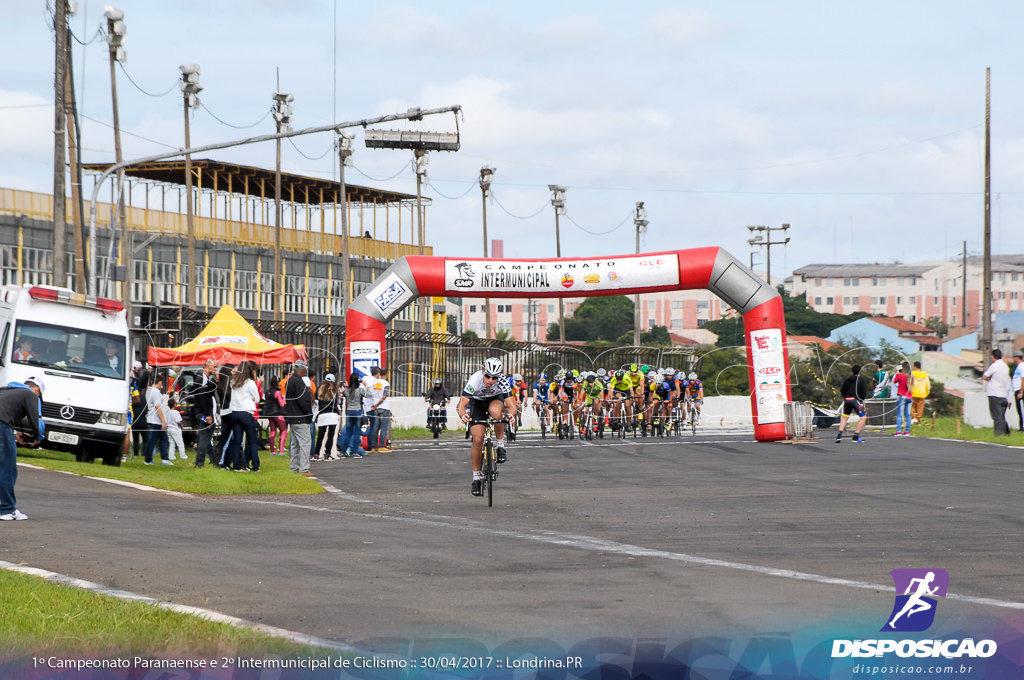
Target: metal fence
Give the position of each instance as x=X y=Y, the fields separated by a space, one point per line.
x=415 y=359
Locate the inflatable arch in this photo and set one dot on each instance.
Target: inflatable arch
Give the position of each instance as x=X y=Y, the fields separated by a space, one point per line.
x=711 y=268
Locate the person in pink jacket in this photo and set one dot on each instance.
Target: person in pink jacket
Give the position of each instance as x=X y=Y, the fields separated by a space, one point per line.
x=273 y=411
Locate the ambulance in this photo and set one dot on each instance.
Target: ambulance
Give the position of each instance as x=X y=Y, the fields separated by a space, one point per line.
x=79 y=346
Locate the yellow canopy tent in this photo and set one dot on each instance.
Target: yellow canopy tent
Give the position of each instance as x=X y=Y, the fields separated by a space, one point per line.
x=227 y=339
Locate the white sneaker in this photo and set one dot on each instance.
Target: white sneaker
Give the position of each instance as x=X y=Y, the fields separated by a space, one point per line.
x=167 y=462
x=12 y=516
x=184 y=457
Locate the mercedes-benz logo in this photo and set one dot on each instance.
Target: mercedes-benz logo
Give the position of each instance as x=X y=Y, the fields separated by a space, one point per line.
x=67 y=412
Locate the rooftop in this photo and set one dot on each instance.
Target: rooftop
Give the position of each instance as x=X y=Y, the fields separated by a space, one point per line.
x=257 y=182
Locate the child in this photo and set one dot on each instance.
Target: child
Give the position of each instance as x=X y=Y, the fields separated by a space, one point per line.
x=174 y=429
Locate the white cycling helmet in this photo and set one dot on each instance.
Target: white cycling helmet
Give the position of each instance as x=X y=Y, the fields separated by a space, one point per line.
x=652 y=375
x=517 y=377
x=492 y=367
x=692 y=376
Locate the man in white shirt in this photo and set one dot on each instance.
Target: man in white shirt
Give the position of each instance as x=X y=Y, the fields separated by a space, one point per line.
x=380 y=426
x=997 y=379
x=156 y=420
x=1017 y=386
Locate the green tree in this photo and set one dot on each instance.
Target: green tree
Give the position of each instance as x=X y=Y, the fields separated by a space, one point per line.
x=502 y=334
x=723 y=371
x=598 y=318
x=469 y=334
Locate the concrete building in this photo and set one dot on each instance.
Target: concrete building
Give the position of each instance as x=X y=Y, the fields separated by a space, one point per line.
x=234 y=215
x=914 y=292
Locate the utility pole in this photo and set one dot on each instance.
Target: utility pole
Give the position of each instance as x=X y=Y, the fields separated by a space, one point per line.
x=421 y=175
x=190 y=89
x=115 y=37
x=963 y=282
x=74 y=135
x=558 y=201
x=60 y=25
x=986 y=304
x=767 y=241
x=640 y=221
x=486 y=176
x=283 y=118
x=345 y=158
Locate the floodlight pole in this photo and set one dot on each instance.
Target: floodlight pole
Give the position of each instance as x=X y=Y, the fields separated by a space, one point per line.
x=641 y=223
x=283 y=119
x=189 y=89
x=344 y=154
x=558 y=202
x=486 y=176
x=115 y=36
x=420 y=163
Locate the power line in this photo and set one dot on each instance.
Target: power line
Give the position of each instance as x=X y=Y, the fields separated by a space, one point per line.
x=311 y=158
x=599 y=233
x=512 y=214
x=125 y=132
x=472 y=185
x=238 y=127
x=139 y=88
x=379 y=179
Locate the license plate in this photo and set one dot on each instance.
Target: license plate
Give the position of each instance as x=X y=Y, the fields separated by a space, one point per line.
x=62 y=438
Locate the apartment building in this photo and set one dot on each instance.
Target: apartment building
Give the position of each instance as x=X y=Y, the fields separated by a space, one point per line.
x=915 y=292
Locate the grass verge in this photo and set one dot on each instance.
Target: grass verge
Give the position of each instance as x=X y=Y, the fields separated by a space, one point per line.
x=947 y=428
x=39 y=617
x=274 y=476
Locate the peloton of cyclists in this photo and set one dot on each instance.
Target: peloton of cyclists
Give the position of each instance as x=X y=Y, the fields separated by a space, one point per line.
x=487 y=394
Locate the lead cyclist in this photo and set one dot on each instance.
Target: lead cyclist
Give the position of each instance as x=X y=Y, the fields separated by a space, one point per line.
x=486 y=394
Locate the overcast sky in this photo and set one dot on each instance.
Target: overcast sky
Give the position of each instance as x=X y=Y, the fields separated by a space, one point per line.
x=859 y=124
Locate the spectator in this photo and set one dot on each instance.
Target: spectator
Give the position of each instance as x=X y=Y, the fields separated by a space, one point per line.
x=854 y=391
x=203 y=403
x=140 y=425
x=368 y=402
x=18 y=402
x=327 y=418
x=997 y=378
x=381 y=427
x=355 y=393
x=883 y=381
x=298 y=407
x=1017 y=385
x=920 y=388
x=273 y=409
x=244 y=399
x=901 y=384
x=223 y=396
x=177 y=443
x=156 y=421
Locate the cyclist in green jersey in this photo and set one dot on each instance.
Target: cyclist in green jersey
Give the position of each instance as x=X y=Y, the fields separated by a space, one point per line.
x=591 y=395
x=620 y=396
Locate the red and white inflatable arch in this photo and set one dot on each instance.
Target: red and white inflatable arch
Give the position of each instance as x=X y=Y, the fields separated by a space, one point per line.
x=710 y=268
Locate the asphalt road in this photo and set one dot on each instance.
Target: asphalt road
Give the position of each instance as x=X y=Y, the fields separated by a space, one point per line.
x=695 y=536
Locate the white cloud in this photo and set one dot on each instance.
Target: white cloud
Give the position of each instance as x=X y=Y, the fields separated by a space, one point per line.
x=680 y=29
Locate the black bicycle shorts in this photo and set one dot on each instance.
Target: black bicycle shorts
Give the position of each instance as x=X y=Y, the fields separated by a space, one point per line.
x=851 y=406
x=479 y=408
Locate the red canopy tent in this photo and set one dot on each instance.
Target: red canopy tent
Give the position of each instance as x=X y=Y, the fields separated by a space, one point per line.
x=227 y=339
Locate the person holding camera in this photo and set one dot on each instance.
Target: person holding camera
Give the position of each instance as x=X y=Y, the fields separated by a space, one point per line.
x=19 y=403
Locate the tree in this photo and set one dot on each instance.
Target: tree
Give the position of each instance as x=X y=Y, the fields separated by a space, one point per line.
x=469 y=334
x=936 y=324
x=723 y=371
x=598 y=318
x=503 y=334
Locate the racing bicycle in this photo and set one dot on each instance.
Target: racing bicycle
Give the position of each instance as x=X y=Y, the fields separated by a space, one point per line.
x=489 y=468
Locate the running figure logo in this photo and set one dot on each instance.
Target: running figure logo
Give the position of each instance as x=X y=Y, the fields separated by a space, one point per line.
x=914 y=610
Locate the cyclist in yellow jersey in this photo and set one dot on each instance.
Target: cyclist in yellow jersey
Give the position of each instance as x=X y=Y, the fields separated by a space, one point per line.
x=620 y=395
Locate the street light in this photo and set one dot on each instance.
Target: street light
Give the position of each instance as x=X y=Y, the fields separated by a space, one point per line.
x=115 y=40
x=345 y=138
x=558 y=202
x=190 y=89
x=640 y=221
x=421 y=160
x=486 y=176
x=283 y=119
